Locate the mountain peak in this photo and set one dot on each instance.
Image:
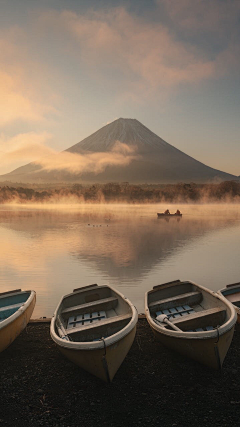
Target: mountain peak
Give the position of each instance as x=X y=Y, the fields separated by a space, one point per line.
x=156 y=161
x=125 y=119
x=125 y=130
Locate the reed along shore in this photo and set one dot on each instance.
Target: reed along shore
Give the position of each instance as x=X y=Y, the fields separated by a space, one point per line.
x=154 y=386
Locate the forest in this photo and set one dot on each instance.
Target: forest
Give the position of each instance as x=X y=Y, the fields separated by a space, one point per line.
x=228 y=191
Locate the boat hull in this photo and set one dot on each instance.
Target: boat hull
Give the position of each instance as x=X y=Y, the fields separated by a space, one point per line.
x=237 y=309
x=232 y=295
x=103 y=363
x=162 y=215
x=99 y=347
x=238 y=314
x=202 y=322
x=207 y=351
x=11 y=331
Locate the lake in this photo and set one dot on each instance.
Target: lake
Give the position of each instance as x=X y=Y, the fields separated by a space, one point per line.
x=54 y=249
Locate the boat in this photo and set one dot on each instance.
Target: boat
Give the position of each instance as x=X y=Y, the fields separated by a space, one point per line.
x=16 y=308
x=94 y=327
x=163 y=215
x=191 y=320
x=232 y=294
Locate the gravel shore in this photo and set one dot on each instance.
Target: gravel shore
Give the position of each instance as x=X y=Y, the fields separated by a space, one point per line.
x=154 y=386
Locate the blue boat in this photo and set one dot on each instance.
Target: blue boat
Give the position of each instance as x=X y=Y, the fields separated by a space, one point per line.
x=232 y=294
x=16 y=308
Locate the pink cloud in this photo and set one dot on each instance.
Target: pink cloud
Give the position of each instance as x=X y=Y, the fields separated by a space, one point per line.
x=23 y=148
x=120 y=155
x=21 y=96
x=31 y=147
x=146 y=52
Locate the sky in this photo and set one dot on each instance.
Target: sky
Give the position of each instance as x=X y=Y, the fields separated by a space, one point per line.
x=69 y=67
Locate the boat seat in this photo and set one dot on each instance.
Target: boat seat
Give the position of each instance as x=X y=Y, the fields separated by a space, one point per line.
x=212 y=316
x=85 y=319
x=11 y=307
x=108 y=321
x=189 y=298
x=91 y=307
x=176 y=312
x=237 y=302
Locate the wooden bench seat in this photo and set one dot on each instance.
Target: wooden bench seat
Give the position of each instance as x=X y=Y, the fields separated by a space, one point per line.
x=176 y=312
x=11 y=307
x=91 y=307
x=211 y=317
x=189 y=298
x=84 y=319
x=103 y=322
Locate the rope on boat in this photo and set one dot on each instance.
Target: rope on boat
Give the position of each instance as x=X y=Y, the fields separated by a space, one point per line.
x=216 y=349
x=105 y=365
x=218 y=335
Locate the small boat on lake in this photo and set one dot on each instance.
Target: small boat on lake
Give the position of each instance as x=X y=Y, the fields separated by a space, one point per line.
x=16 y=308
x=232 y=294
x=192 y=320
x=94 y=327
x=168 y=215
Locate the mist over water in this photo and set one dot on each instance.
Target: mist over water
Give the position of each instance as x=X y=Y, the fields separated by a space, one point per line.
x=58 y=248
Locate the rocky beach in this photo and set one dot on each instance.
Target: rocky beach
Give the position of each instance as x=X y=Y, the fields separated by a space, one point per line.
x=154 y=386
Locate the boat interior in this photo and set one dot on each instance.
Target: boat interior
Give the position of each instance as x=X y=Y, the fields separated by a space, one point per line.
x=187 y=306
x=232 y=293
x=11 y=301
x=92 y=313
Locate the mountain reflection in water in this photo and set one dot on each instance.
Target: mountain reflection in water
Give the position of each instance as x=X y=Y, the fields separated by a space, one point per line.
x=56 y=250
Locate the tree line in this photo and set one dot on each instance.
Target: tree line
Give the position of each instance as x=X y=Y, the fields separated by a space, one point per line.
x=228 y=191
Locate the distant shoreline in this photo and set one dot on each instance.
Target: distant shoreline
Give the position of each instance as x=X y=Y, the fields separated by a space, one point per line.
x=224 y=192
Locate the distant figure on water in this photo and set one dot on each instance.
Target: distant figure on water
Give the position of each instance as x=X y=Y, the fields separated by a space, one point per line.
x=178 y=212
x=167 y=212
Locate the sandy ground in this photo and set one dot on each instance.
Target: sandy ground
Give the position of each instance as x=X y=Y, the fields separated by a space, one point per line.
x=154 y=387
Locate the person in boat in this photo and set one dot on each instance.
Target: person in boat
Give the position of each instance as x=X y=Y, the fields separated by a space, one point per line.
x=167 y=212
x=178 y=212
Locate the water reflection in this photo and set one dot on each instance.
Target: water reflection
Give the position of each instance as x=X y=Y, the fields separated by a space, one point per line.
x=132 y=248
x=54 y=251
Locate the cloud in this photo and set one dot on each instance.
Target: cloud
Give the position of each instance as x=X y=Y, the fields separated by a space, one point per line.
x=22 y=148
x=139 y=50
x=31 y=147
x=14 y=103
x=120 y=155
x=20 y=81
x=132 y=55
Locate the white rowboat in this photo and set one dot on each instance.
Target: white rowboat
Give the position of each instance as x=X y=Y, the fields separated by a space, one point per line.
x=192 y=320
x=94 y=327
x=232 y=294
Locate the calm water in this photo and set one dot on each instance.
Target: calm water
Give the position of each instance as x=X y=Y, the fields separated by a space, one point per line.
x=55 y=249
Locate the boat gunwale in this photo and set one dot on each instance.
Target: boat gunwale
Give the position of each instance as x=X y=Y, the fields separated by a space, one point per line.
x=94 y=345
x=236 y=308
x=20 y=310
x=229 y=290
x=221 y=330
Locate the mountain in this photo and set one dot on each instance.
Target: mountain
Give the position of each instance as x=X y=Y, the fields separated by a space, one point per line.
x=157 y=161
